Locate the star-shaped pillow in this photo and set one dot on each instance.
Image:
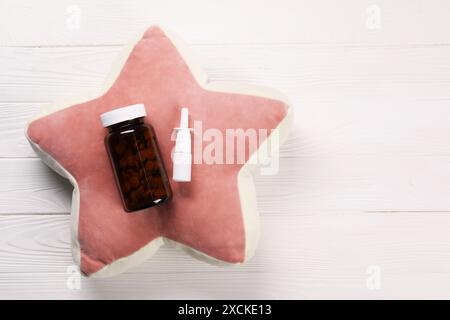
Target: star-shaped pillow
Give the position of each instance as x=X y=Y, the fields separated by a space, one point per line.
x=214 y=217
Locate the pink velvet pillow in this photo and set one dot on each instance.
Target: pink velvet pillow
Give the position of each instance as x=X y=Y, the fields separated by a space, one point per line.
x=214 y=217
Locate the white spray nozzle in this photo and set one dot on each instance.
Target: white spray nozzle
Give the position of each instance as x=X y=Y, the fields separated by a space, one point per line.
x=184 y=119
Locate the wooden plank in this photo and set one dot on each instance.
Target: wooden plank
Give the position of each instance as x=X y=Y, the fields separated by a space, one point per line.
x=302 y=186
x=13 y=120
x=48 y=74
x=28 y=185
x=318 y=256
x=375 y=128
x=51 y=22
x=305 y=73
x=361 y=183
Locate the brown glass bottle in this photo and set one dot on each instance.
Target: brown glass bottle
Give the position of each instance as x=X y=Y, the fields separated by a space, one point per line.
x=135 y=158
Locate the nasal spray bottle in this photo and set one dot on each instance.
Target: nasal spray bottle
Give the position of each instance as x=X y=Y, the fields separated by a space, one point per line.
x=182 y=156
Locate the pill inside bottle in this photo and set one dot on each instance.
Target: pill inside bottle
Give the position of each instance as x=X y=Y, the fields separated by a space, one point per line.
x=135 y=158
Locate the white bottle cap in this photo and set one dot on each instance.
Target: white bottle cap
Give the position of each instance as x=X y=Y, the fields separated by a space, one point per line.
x=123 y=114
x=182 y=157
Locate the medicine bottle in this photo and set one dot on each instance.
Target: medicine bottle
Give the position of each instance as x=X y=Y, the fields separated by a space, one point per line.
x=135 y=158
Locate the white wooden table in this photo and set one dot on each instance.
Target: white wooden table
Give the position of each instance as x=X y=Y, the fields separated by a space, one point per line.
x=361 y=205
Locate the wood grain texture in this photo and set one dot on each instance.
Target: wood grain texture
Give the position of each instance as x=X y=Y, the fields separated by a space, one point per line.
x=299 y=257
x=106 y=22
x=374 y=128
x=303 y=185
x=305 y=73
x=28 y=185
x=363 y=179
x=13 y=120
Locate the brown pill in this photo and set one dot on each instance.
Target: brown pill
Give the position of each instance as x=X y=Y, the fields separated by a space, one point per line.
x=150 y=166
x=120 y=148
x=134 y=181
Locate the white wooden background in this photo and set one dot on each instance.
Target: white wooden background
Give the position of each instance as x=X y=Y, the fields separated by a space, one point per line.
x=361 y=205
